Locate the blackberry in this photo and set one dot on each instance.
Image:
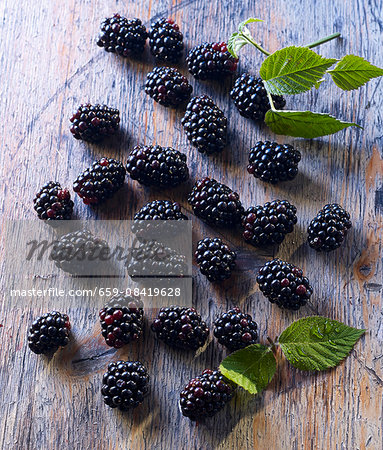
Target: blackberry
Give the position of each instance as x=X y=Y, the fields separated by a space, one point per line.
x=100 y=181
x=284 y=284
x=125 y=384
x=49 y=332
x=268 y=224
x=152 y=165
x=205 y=125
x=215 y=259
x=235 y=330
x=211 y=61
x=215 y=203
x=166 y=40
x=180 y=327
x=272 y=162
x=93 y=122
x=205 y=395
x=126 y=37
x=52 y=202
x=329 y=227
x=250 y=97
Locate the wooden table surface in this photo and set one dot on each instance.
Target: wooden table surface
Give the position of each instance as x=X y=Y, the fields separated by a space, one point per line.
x=49 y=65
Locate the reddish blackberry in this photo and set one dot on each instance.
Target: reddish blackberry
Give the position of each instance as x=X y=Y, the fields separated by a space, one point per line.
x=205 y=395
x=284 y=284
x=215 y=259
x=250 y=97
x=235 y=330
x=215 y=203
x=100 y=181
x=125 y=384
x=166 y=40
x=268 y=224
x=211 y=61
x=329 y=228
x=93 y=122
x=52 y=202
x=205 y=125
x=180 y=327
x=49 y=332
x=126 y=37
x=152 y=165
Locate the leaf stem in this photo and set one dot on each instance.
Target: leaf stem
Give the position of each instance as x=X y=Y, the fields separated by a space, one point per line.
x=256 y=45
x=323 y=40
x=272 y=343
x=272 y=106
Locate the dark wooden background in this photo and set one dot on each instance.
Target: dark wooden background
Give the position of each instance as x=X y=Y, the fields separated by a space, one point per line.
x=49 y=65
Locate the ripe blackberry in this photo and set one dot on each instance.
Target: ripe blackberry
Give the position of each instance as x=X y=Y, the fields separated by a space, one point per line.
x=125 y=384
x=284 y=284
x=329 y=228
x=235 y=330
x=52 y=202
x=49 y=332
x=205 y=395
x=166 y=40
x=152 y=165
x=268 y=224
x=126 y=37
x=215 y=259
x=272 y=162
x=205 y=125
x=250 y=97
x=100 y=181
x=211 y=61
x=180 y=327
x=93 y=122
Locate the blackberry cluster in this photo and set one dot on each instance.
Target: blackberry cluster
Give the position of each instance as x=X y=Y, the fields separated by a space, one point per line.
x=284 y=284
x=215 y=259
x=272 y=162
x=250 y=97
x=205 y=125
x=52 y=202
x=93 y=122
x=329 y=227
x=166 y=40
x=100 y=181
x=268 y=224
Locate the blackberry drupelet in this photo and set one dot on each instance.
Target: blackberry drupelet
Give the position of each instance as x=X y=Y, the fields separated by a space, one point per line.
x=268 y=224
x=215 y=203
x=215 y=259
x=250 y=97
x=52 y=202
x=125 y=384
x=152 y=165
x=166 y=40
x=329 y=227
x=93 y=122
x=100 y=181
x=211 y=61
x=180 y=327
x=284 y=284
x=49 y=332
x=205 y=125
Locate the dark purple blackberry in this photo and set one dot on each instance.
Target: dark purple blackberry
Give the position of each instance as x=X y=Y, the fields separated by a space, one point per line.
x=211 y=61
x=235 y=330
x=166 y=40
x=93 y=122
x=49 y=332
x=284 y=284
x=329 y=227
x=180 y=327
x=205 y=125
x=52 y=202
x=160 y=210
x=215 y=203
x=268 y=224
x=152 y=165
x=205 y=395
x=250 y=97
x=125 y=384
x=100 y=181
x=215 y=259
x=126 y=37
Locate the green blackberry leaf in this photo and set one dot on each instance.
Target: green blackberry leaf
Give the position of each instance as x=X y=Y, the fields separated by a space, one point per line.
x=318 y=343
x=246 y=22
x=238 y=39
x=252 y=367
